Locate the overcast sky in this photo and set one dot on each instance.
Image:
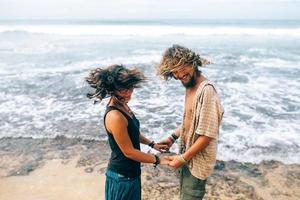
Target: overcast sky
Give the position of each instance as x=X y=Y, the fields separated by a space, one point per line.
x=150 y=9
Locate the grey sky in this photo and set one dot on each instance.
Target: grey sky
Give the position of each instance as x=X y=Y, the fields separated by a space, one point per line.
x=150 y=9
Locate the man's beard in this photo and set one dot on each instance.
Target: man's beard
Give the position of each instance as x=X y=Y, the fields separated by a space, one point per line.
x=190 y=83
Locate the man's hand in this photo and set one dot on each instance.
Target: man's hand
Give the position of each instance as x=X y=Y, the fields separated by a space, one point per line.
x=164 y=160
x=175 y=161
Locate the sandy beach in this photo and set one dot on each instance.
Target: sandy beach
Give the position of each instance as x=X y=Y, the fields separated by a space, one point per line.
x=73 y=169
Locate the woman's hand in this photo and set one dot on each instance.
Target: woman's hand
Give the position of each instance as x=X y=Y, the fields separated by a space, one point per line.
x=168 y=142
x=161 y=147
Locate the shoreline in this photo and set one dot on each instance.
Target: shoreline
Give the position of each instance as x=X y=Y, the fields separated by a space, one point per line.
x=63 y=168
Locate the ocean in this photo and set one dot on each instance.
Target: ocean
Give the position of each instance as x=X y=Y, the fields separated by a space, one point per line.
x=255 y=65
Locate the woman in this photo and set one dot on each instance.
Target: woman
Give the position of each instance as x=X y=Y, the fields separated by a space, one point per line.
x=123 y=180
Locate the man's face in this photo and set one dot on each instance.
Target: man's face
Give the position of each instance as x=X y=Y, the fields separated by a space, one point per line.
x=186 y=74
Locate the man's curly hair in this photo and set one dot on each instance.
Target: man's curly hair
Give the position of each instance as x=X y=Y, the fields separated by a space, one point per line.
x=178 y=56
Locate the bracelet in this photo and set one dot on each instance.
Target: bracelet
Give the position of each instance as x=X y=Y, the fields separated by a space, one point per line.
x=174 y=136
x=181 y=158
x=157 y=161
x=172 y=139
x=151 y=144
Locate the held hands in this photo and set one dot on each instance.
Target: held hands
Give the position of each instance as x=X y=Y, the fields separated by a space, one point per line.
x=164 y=160
x=167 y=142
x=164 y=145
x=160 y=147
x=175 y=162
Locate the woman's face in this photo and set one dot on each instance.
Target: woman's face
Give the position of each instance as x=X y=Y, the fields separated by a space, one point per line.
x=125 y=94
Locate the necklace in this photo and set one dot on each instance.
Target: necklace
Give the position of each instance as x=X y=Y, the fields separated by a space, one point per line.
x=121 y=105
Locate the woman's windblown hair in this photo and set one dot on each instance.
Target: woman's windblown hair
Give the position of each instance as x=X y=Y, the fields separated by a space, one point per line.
x=111 y=79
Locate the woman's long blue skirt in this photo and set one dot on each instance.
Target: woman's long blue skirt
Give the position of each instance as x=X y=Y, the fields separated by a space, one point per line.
x=119 y=187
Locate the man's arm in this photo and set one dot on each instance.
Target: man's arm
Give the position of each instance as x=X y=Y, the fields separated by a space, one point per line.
x=207 y=129
x=201 y=143
x=169 y=141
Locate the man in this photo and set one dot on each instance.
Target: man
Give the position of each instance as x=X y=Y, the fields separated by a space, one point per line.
x=201 y=121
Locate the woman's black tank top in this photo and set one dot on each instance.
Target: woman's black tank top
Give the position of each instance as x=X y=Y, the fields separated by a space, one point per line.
x=118 y=162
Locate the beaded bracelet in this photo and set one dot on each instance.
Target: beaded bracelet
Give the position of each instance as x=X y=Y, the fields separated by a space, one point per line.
x=172 y=139
x=151 y=144
x=157 y=161
x=174 y=136
x=181 y=158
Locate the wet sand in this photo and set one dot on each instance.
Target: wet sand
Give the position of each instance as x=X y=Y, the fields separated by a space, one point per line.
x=73 y=169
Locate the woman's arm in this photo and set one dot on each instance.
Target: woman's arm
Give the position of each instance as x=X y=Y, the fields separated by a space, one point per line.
x=158 y=147
x=144 y=140
x=116 y=124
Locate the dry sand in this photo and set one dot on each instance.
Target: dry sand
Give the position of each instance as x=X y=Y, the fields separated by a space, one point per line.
x=54 y=181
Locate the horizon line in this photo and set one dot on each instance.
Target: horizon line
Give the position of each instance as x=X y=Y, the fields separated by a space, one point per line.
x=144 y=19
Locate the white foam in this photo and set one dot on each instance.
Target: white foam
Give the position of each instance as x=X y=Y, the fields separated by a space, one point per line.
x=31 y=71
x=276 y=63
x=149 y=30
x=270 y=62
